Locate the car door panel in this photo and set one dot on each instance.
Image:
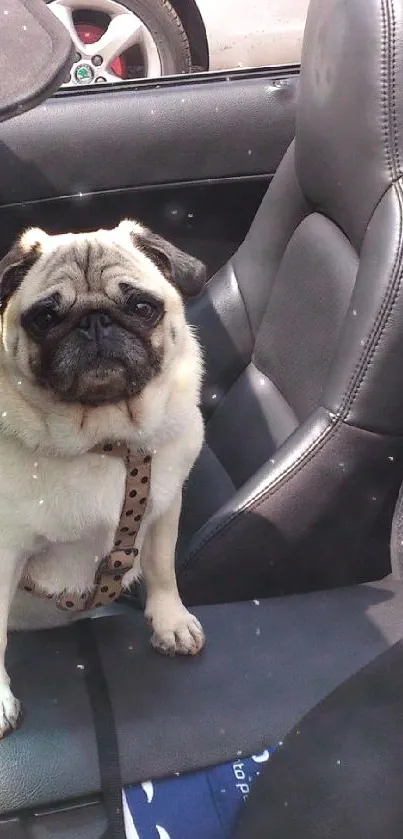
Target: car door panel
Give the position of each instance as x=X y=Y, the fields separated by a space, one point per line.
x=178 y=156
x=189 y=131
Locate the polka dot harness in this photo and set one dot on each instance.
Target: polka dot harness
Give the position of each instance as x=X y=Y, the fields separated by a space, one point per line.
x=108 y=578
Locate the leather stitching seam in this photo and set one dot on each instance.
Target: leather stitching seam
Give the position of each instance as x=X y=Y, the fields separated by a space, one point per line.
x=381 y=323
x=389 y=129
x=394 y=122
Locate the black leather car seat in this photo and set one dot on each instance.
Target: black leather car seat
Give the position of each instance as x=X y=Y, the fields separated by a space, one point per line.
x=303 y=348
x=303 y=337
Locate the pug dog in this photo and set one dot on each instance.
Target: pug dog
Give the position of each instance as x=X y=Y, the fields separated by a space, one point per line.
x=94 y=348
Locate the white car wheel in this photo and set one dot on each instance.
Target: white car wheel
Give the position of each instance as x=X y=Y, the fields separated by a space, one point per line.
x=129 y=39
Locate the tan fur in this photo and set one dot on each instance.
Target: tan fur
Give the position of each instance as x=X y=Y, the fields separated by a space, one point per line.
x=59 y=503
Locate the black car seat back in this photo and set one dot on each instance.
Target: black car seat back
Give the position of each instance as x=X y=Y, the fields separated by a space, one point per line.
x=303 y=337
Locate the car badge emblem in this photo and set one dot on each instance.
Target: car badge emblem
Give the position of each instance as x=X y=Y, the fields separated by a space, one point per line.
x=84 y=74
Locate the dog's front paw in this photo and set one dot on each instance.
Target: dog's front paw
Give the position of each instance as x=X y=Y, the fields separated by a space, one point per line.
x=10 y=711
x=175 y=630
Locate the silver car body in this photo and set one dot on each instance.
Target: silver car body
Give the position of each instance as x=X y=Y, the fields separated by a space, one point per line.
x=253 y=33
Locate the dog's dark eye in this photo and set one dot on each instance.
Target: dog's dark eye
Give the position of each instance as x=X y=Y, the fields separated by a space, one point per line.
x=40 y=321
x=144 y=310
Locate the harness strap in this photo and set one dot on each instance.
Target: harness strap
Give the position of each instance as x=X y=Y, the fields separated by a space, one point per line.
x=108 y=578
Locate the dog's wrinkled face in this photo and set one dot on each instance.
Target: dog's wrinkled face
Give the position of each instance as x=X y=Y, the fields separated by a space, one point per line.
x=93 y=318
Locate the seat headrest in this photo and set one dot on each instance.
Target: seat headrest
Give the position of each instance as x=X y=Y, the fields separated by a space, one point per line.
x=349 y=132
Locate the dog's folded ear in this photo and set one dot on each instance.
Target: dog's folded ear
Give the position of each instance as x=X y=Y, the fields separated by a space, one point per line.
x=184 y=271
x=15 y=264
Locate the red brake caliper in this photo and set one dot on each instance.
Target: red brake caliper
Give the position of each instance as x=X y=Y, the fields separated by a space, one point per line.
x=89 y=33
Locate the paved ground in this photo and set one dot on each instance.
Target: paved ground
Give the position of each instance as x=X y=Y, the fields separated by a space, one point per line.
x=252 y=33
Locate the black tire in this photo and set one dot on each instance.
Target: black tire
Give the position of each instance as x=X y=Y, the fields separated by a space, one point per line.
x=167 y=31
